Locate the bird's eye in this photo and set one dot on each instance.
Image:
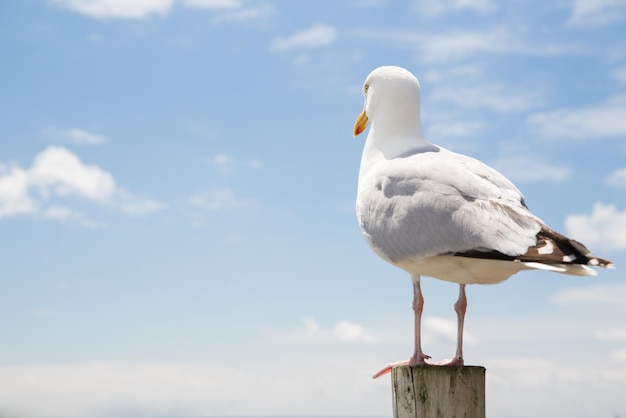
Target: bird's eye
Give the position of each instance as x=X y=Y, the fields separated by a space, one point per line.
x=366 y=88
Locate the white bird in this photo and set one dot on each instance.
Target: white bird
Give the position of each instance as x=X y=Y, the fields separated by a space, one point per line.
x=432 y=212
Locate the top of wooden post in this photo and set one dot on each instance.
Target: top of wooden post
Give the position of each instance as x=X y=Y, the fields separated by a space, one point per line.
x=427 y=391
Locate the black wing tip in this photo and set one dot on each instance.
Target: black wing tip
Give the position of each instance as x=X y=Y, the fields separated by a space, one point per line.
x=551 y=248
x=600 y=262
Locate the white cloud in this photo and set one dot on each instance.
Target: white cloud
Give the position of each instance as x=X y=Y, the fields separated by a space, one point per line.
x=599 y=293
x=457 y=45
x=311 y=328
x=112 y=386
x=245 y=14
x=444 y=329
x=75 y=135
x=461 y=44
x=368 y=3
x=495 y=97
x=57 y=170
x=136 y=205
x=351 y=332
x=220 y=160
x=594 y=122
x=95 y=38
x=229 y=11
x=220 y=199
x=338 y=379
x=57 y=173
x=14 y=196
x=61 y=213
x=620 y=75
x=461 y=73
x=301 y=60
x=58 y=212
x=255 y=164
x=611 y=334
x=80 y=136
x=531 y=168
x=617 y=178
x=201 y=388
x=213 y=4
x=619 y=355
x=557 y=387
x=343 y=331
x=313 y=37
x=604 y=228
x=440 y=7
x=597 y=12
x=105 y=9
x=455 y=129
x=227 y=164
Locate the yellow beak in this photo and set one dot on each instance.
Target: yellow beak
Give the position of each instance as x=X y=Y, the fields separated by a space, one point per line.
x=361 y=123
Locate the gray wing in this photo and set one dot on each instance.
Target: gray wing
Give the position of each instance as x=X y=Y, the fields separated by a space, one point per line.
x=442 y=203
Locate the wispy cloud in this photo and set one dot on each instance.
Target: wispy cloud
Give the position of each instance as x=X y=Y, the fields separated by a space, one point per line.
x=228 y=10
x=220 y=160
x=131 y=390
x=62 y=213
x=344 y=331
x=455 y=129
x=228 y=164
x=494 y=97
x=213 y=4
x=459 y=73
x=75 y=135
x=192 y=388
x=106 y=9
x=314 y=37
x=527 y=168
x=80 y=136
x=611 y=334
x=600 y=121
x=597 y=12
x=245 y=14
x=441 y=7
x=368 y=3
x=444 y=329
x=604 y=228
x=617 y=178
x=620 y=75
x=598 y=293
x=133 y=204
x=220 y=199
x=57 y=174
x=619 y=355
x=456 y=45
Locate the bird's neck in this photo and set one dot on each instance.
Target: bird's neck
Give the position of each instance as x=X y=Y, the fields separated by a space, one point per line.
x=394 y=138
x=382 y=146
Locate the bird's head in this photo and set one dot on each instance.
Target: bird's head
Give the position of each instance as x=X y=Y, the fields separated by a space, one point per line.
x=392 y=94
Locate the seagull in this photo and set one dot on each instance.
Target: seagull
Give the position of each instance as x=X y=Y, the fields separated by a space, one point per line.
x=436 y=213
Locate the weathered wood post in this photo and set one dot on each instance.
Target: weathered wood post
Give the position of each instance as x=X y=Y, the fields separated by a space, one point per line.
x=438 y=391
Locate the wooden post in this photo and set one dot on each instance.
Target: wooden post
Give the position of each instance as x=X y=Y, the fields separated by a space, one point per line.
x=438 y=391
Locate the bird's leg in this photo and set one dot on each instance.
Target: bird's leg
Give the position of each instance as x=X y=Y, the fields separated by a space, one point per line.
x=418 y=307
x=418 y=356
x=460 y=307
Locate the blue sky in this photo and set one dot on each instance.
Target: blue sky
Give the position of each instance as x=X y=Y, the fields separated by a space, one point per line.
x=177 y=185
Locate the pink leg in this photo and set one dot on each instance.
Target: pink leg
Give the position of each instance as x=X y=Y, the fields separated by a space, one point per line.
x=418 y=307
x=418 y=356
x=460 y=307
